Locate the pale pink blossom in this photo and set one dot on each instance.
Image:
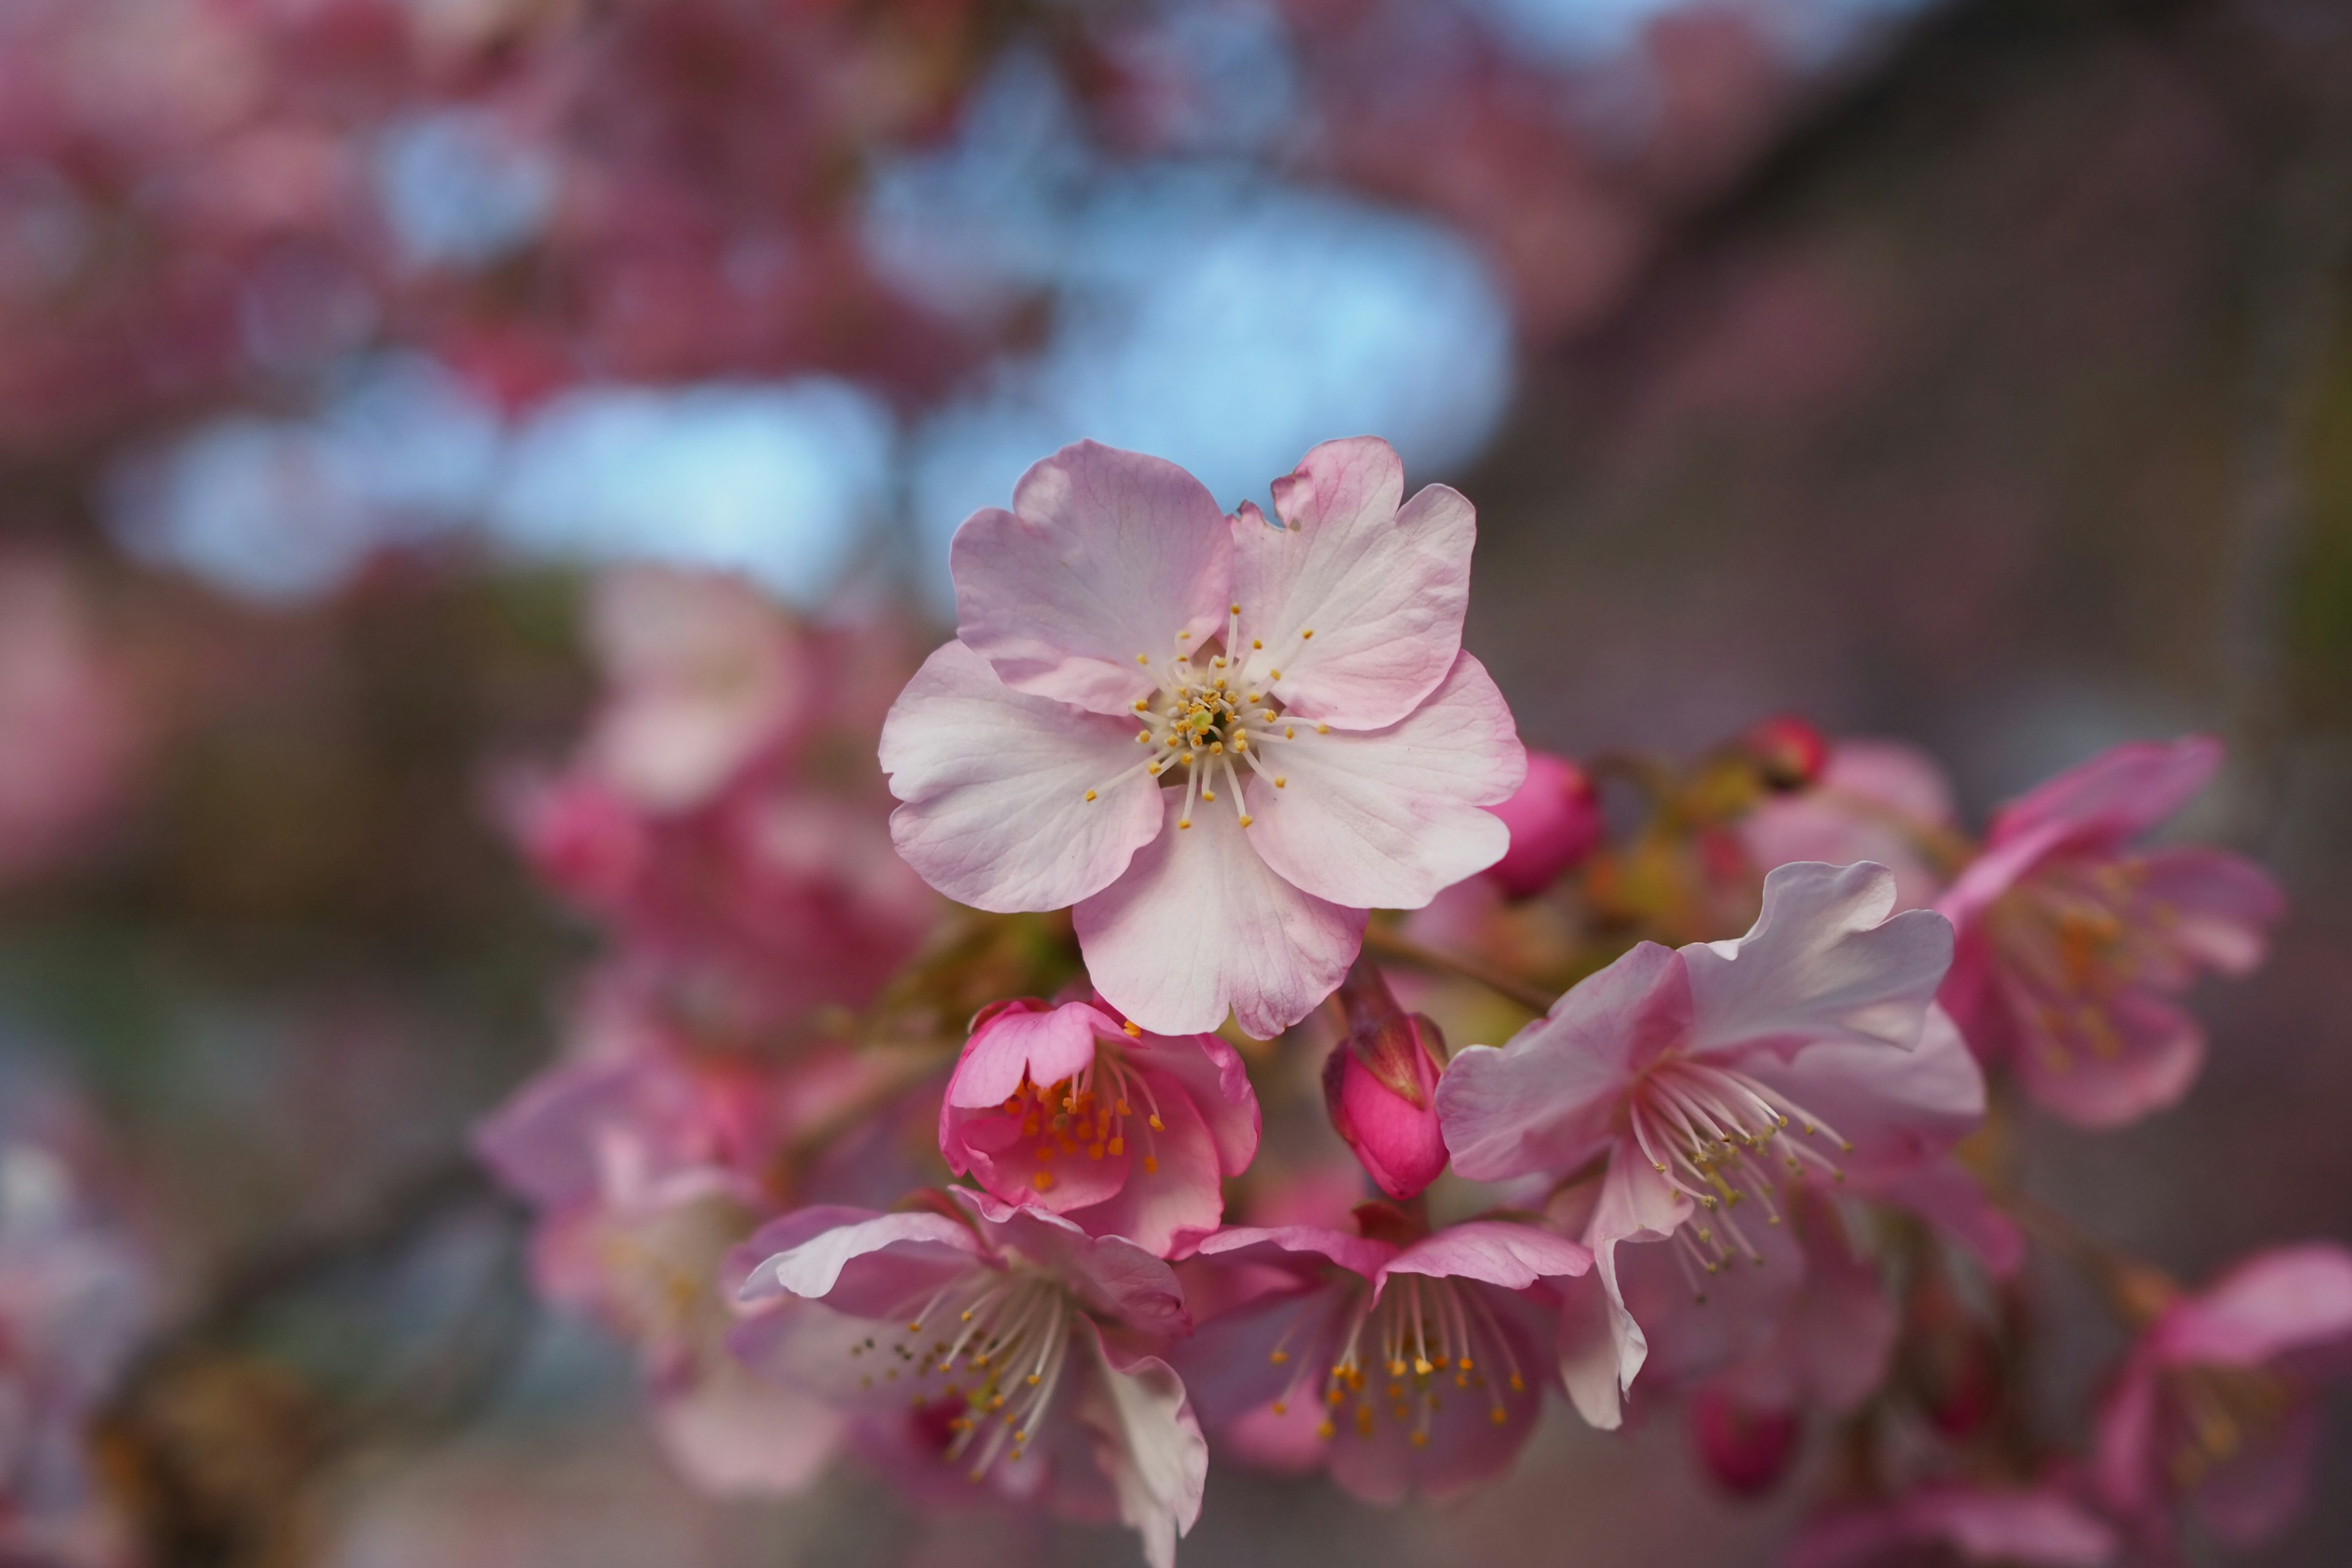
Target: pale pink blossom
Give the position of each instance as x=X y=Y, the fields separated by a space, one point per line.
x=1871 y=800
x=1554 y=821
x=1073 y=1110
x=2018 y=1527
x=1221 y=738
x=69 y=731
x=1699 y=1081
x=2213 y=1411
x=1001 y=1345
x=1380 y=1085
x=2072 y=945
x=1747 y=1448
x=75 y=1295
x=1401 y=1363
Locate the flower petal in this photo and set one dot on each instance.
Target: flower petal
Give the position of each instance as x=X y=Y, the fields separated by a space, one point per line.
x=735 y=1434
x=1896 y=1109
x=1115 y=1277
x=1106 y=554
x=1544 y=1101
x=1388 y=818
x=1824 y=961
x=995 y=786
x=1146 y=1442
x=1497 y=1251
x=1046 y=1045
x=2219 y=907
x=1382 y=590
x=1200 y=926
x=1212 y=1073
x=1172 y=1182
x=2141 y=1054
x=2118 y=794
x=2279 y=1300
x=868 y=1266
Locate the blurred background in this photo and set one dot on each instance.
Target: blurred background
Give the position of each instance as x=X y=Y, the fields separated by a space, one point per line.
x=1977 y=373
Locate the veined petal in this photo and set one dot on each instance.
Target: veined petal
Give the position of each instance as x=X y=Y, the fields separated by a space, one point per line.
x=867 y=1267
x=1146 y=1442
x=1200 y=926
x=1211 y=1072
x=1897 y=1108
x=1045 y=1044
x=1544 y=1102
x=1497 y=1251
x=1105 y=554
x=1824 y=961
x=995 y=786
x=1388 y=818
x=1381 y=589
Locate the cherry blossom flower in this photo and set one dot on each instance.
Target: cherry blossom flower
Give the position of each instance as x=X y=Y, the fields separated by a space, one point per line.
x=1380 y=1085
x=2025 y=1527
x=1314 y=742
x=1698 y=1079
x=1871 y=800
x=2072 y=945
x=1399 y=1362
x=2213 y=1411
x=646 y=1166
x=1002 y=1345
x=75 y=1295
x=1073 y=1110
x=1554 y=820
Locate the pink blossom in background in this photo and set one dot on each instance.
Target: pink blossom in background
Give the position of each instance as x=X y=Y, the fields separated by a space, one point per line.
x=2213 y=1410
x=1871 y=800
x=69 y=731
x=1071 y=1110
x=2073 y=944
x=2019 y=1527
x=1399 y=1362
x=1554 y=821
x=1380 y=1086
x=1119 y=636
x=76 y=1299
x=1746 y=1448
x=1698 y=1079
x=994 y=1345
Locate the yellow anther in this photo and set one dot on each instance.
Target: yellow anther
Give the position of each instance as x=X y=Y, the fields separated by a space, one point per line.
x=1210 y=795
x=1042 y=1181
x=1422 y=1365
x=1142 y=658
x=1274 y=675
x=1281 y=1409
x=1322 y=729
x=1278 y=1357
x=1325 y=1429
x=1090 y=795
x=1255 y=643
x=1499 y=1415
x=1248 y=819
x=1420 y=1439
x=1157 y=1125
x=1234 y=609
x=1134 y=1032
x=1280 y=782
x=1150 y=1166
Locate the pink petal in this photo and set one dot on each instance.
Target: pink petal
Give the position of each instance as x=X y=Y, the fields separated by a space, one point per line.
x=1110 y=1274
x=869 y=1268
x=1106 y=554
x=1151 y=1208
x=733 y=1434
x=995 y=784
x=1044 y=1044
x=1147 y=1441
x=1554 y=821
x=989 y=1146
x=1358 y=1255
x=2152 y=1053
x=2250 y=1500
x=1497 y=1251
x=1826 y=959
x=1592 y=1357
x=1636 y=1205
x=1213 y=1075
x=1382 y=590
x=1873 y=801
x=1386 y=818
x=2280 y=1300
x=2124 y=1443
x=1200 y=926
x=1467 y=1445
x=2039 y=1528
x=2116 y=795
x=2219 y=907
x=1732 y=1316
x=1544 y=1102
x=1948 y=1196
x=1897 y=1108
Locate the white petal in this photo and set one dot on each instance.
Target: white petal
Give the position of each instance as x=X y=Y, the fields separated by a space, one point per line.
x=1146 y=1442
x=1200 y=926
x=1388 y=819
x=995 y=783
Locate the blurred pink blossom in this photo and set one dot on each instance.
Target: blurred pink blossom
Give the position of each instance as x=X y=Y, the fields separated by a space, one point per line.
x=1555 y=822
x=69 y=731
x=1401 y=1362
x=2025 y=1527
x=2072 y=943
x=2213 y=1410
x=1000 y=1346
x=1871 y=800
x=1071 y=1110
x=1674 y=1073
x=1085 y=618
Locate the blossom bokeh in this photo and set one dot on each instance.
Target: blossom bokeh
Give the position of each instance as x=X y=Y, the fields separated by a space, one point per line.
x=889 y=782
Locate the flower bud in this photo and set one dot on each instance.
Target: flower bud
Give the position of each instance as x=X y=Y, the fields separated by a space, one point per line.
x=1788 y=752
x=1381 y=1084
x=1744 y=1447
x=1555 y=821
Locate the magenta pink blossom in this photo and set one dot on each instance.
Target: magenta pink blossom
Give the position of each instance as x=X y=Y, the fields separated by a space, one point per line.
x=1001 y=1345
x=2020 y=1527
x=1555 y=822
x=2213 y=1409
x=1072 y=1110
x=2072 y=945
x=1401 y=1363
x=1697 y=1081
x=1221 y=738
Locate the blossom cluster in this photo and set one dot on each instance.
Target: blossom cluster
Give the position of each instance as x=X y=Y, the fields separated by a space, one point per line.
x=1008 y=1198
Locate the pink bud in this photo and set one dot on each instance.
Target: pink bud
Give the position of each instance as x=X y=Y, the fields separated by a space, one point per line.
x=1380 y=1084
x=1746 y=1448
x=1788 y=753
x=1555 y=821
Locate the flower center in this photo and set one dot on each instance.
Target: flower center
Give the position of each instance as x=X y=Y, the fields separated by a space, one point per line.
x=1000 y=1339
x=1089 y=1112
x=2071 y=935
x=1214 y=712
x=1423 y=1342
x=2219 y=1411
x=1710 y=1131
